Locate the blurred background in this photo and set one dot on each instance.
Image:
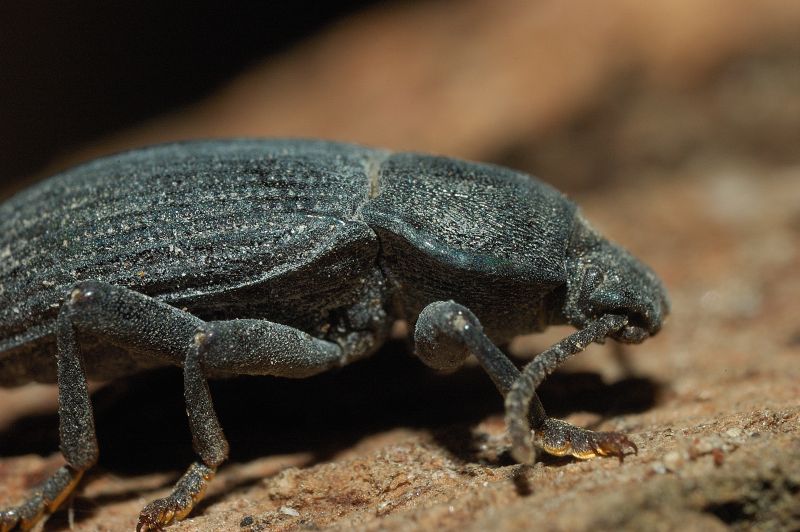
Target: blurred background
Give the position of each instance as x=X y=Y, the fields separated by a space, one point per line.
x=577 y=92
x=674 y=123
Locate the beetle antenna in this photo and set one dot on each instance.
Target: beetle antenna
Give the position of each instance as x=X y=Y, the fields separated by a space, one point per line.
x=524 y=388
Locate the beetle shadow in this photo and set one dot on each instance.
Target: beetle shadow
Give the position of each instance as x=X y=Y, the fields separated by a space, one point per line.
x=563 y=393
x=142 y=426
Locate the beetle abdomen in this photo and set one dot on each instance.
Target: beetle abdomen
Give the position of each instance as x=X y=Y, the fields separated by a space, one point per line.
x=187 y=223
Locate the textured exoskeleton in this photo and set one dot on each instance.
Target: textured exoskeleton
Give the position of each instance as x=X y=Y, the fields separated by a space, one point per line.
x=289 y=257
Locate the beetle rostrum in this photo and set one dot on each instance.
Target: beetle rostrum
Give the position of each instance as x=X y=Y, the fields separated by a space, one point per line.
x=289 y=258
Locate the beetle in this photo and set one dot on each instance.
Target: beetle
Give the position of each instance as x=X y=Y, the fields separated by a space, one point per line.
x=288 y=258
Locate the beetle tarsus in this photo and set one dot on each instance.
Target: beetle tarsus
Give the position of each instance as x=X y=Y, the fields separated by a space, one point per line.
x=187 y=493
x=43 y=500
x=559 y=438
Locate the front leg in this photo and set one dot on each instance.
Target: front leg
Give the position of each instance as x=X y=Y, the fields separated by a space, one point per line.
x=558 y=437
x=446 y=333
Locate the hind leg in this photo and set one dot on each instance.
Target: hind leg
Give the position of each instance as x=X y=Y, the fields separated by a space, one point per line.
x=76 y=430
x=98 y=309
x=143 y=325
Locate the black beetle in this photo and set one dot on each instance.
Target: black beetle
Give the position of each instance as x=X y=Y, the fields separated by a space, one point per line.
x=287 y=258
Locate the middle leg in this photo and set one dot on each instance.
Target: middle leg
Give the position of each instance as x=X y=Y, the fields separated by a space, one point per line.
x=236 y=347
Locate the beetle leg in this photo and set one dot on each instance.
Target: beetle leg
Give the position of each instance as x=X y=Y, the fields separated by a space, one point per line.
x=557 y=437
x=141 y=323
x=44 y=499
x=76 y=430
x=209 y=442
x=446 y=333
x=253 y=347
x=260 y=347
x=144 y=325
x=111 y=313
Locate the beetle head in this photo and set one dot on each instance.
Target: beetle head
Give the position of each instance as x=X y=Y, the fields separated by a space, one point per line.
x=603 y=278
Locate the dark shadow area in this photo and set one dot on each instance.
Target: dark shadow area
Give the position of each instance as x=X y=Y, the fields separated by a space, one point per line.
x=76 y=71
x=730 y=512
x=142 y=425
x=564 y=393
x=521 y=482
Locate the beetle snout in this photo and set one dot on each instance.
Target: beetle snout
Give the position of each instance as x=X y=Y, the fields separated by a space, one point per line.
x=640 y=326
x=643 y=303
x=641 y=323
